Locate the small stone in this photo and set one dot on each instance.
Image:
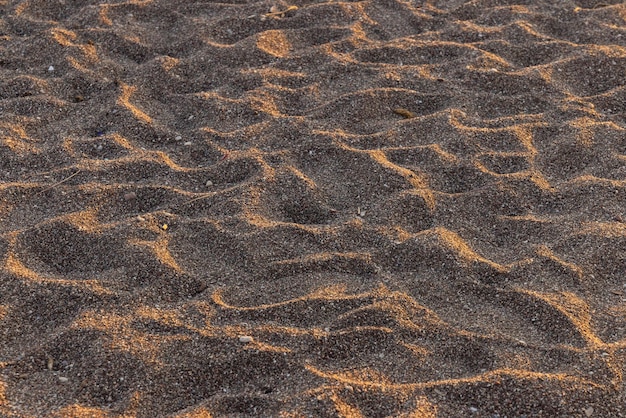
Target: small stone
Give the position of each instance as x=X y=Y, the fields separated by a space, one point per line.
x=473 y=410
x=178 y=137
x=188 y=143
x=50 y=69
x=130 y=196
x=588 y=411
x=209 y=183
x=63 y=379
x=245 y=339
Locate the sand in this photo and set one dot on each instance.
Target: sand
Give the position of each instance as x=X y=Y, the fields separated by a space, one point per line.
x=392 y=208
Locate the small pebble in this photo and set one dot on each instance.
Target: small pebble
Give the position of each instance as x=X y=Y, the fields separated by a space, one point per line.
x=473 y=410
x=588 y=411
x=178 y=137
x=188 y=143
x=63 y=379
x=209 y=183
x=130 y=196
x=245 y=339
x=50 y=69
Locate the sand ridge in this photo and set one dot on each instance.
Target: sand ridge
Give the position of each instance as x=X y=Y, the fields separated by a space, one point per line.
x=312 y=208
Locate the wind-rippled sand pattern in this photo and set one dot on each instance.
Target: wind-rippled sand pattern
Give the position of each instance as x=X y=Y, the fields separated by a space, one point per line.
x=358 y=209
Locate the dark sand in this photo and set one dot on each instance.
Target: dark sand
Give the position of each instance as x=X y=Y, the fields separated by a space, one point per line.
x=391 y=208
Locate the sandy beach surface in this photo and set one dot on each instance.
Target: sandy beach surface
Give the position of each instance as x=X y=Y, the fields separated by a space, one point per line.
x=381 y=208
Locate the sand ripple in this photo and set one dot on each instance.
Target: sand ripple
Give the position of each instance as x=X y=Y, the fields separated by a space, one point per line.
x=359 y=209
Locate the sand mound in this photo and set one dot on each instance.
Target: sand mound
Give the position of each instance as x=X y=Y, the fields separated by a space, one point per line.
x=358 y=209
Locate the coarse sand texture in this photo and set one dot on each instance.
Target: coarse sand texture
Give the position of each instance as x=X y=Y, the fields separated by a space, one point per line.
x=302 y=208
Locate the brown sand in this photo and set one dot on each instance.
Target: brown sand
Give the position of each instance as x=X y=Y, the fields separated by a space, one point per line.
x=360 y=209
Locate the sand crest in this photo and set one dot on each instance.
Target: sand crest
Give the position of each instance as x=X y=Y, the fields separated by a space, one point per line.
x=312 y=209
